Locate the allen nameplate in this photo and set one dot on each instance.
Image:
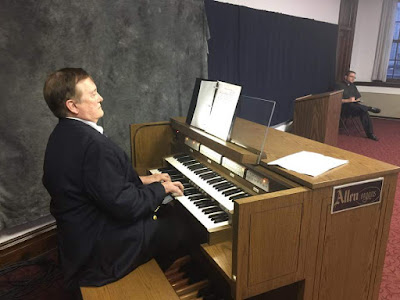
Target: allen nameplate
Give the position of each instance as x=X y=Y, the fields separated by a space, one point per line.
x=357 y=194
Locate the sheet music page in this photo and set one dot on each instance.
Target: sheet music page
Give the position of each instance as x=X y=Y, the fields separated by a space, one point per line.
x=204 y=104
x=223 y=109
x=309 y=163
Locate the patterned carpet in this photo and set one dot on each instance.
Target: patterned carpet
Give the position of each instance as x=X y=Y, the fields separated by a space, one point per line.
x=386 y=149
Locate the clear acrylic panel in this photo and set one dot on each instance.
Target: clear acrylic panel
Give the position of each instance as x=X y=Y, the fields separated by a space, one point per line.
x=250 y=126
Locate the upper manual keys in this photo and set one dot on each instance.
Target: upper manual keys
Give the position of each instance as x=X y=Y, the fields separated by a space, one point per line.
x=217 y=187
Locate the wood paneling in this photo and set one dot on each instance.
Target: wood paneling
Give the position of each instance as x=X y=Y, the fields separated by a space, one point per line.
x=150 y=142
x=349 y=245
x=279 y=238
x=262 y=226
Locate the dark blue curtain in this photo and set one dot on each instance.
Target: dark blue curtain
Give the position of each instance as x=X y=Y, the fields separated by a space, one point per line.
x=272 y=56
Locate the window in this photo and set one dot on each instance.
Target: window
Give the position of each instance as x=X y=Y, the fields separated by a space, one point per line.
x=393 y=73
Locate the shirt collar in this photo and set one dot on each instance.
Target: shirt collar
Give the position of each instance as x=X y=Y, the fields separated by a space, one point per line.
x=90 y=123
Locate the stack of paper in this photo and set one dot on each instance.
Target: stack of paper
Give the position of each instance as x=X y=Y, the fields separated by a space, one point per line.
x=309 y=163
x=215 y=107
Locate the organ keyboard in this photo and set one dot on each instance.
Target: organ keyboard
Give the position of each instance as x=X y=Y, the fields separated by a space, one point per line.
x=209 y=194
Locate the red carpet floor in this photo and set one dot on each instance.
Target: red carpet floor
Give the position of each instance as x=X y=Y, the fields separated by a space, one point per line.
x=387 y=149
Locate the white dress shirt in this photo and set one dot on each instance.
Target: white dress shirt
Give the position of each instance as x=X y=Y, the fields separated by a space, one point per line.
x=90 y=123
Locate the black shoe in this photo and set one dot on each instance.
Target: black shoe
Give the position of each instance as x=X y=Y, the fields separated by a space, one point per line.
x=373 y=137
x=375 y=110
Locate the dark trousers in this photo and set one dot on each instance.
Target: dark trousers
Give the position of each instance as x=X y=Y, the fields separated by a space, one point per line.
x=357 y=109
x=168 y=237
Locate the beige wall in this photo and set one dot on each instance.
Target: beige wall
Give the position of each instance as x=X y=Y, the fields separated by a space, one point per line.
x=365 y=38
x=387 y=99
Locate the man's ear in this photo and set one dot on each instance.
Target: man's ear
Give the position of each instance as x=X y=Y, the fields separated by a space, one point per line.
x=71 y=106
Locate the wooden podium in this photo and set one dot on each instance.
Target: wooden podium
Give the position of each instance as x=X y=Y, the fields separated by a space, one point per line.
x=316 y=117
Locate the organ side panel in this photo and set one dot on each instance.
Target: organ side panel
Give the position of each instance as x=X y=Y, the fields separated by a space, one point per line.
x=150 y=143
x=352 y=247
x=269 y=241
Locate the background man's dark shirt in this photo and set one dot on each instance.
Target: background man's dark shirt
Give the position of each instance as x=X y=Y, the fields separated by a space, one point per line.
x=349 y=90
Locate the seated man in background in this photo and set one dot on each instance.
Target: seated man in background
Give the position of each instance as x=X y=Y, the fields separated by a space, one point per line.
x=105 y=212
x=351 y=104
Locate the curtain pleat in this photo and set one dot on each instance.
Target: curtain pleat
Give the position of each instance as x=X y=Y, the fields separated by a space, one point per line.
x=272 y=56
x=385 y=39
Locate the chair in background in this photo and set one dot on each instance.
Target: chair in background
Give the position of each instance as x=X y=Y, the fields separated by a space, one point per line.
x=354 y=121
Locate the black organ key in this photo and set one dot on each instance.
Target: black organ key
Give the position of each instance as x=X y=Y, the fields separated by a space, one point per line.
x=196 y=167
x=213 y=181
x=191 y=191
x=196 y=197
x=244 y=195
x=184 y=159
x=227 y=188
x=180 y=155
x=189 y=163
x=208 y=176
x=210 y=210
x=201 y=171
x=223 y=187
x=231 y=192
x=167 y=169
x=221 y=219
x=204 y=203
x=224 y=183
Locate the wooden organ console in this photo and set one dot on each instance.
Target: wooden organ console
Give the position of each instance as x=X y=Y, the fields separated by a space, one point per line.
x=268 y=228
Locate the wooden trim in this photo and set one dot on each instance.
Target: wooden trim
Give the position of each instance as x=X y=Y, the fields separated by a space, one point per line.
x=27 y=236
x=29 y=246
x=230 y=150
x=317 y=96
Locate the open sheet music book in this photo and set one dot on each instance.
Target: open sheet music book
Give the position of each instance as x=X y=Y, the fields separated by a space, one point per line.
x=215 y=107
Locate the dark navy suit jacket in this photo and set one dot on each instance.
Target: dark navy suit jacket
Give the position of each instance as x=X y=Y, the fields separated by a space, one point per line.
x=103 y=210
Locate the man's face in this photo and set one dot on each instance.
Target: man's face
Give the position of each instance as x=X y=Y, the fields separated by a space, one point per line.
x=89 y=106
x=350 y=78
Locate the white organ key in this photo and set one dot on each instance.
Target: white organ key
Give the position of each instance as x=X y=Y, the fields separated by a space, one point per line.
x=199 y=214
x=202 y=184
